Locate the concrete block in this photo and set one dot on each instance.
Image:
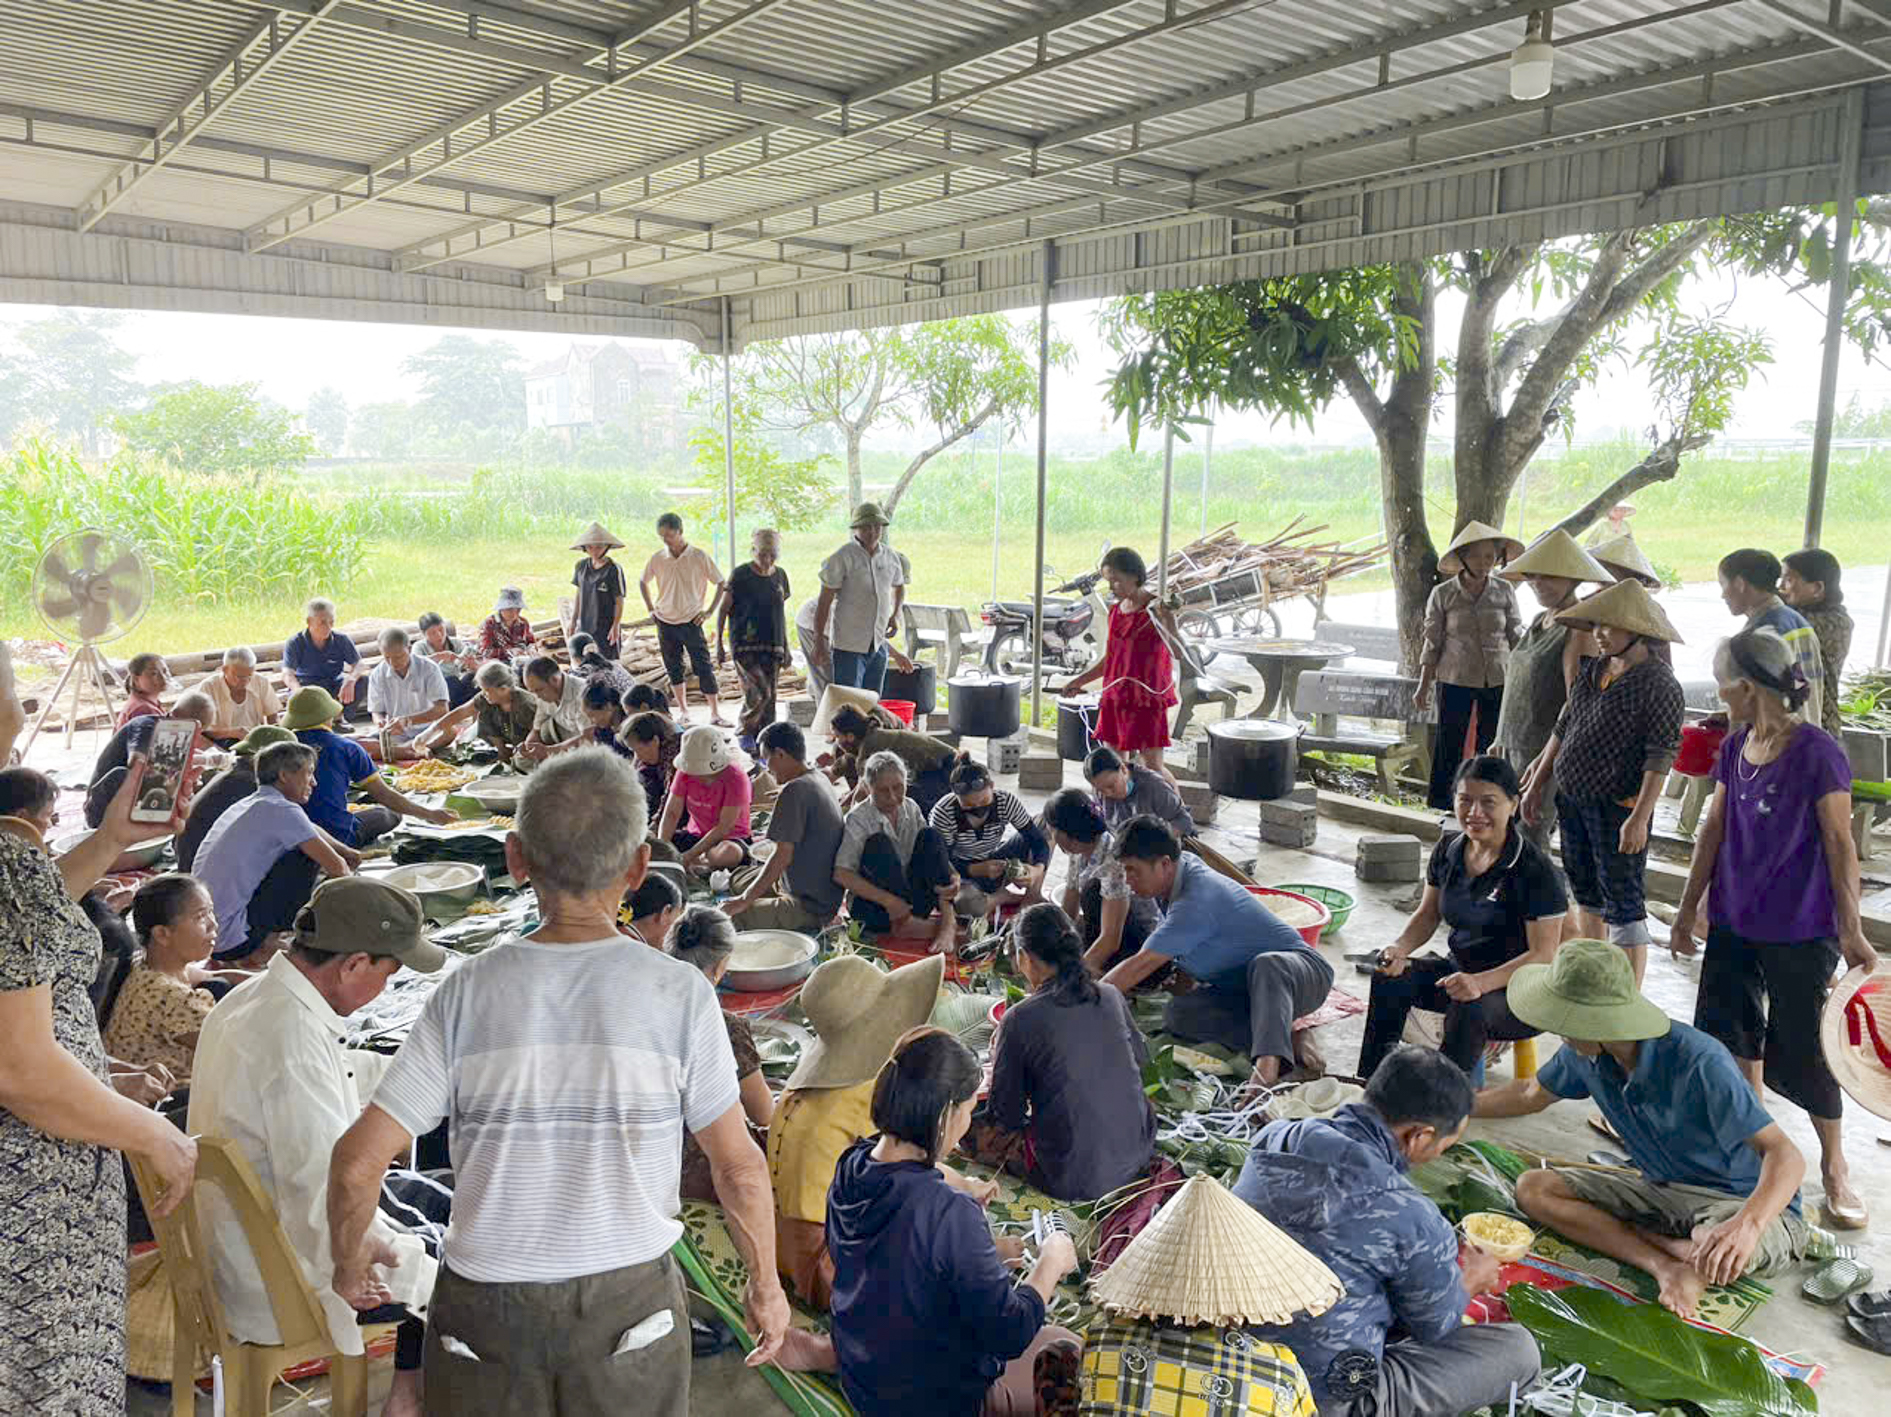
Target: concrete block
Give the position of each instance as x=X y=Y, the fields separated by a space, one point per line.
x=801 y=712
x=1304 y=792
x=1044 y=772
x=1202 y=802
x=1296 y=832
x=937 y=724
x=1183 y=768
x=1284 y=811
x=1003 y=754
x=1385 y=847
x=1389 y=858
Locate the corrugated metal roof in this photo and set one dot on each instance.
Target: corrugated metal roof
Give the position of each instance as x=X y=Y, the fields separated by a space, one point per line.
x=774 y=144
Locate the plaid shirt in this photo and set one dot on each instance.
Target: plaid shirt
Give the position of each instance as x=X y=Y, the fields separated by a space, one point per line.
x=1611 y=736
x=503 y=642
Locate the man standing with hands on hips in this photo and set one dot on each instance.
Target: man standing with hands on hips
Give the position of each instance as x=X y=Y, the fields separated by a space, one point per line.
x=682 y=573
x=862 y=584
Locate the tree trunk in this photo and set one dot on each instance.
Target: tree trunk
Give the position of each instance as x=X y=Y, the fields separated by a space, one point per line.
x=1661 y=464
x=1414 y=558
x=855 y=490
x=926 y=455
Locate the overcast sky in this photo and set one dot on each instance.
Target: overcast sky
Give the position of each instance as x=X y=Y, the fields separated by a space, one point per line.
x=293 y=358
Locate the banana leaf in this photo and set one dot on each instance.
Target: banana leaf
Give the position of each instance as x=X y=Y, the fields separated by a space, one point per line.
x=1656 y=1356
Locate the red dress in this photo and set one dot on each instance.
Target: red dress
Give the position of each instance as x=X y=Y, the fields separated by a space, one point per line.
x=1138 y=684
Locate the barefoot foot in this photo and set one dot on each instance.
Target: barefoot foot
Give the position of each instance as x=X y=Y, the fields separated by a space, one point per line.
x=804 y=1352
x=1681 y=1288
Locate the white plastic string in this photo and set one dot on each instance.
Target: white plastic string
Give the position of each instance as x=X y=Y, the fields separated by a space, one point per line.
x=1561 y=1395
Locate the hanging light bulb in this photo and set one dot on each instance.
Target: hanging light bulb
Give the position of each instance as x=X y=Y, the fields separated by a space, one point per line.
x=554 y=288
x=1531 y=61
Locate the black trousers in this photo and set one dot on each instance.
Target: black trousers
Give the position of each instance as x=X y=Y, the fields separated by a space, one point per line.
x=675 y=641
x=917 y=881
x=1764 y=1002
x=1090 y=907
x=277 y=900
x=1455 y=705
x=1468 y=1027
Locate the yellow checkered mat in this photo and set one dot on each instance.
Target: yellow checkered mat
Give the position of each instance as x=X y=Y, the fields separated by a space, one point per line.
x=1135 y=1366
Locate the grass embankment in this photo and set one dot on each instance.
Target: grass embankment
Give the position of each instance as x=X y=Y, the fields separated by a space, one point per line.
x=234 y=562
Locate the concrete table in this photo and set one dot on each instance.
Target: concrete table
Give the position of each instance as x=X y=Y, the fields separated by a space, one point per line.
x=1280 y=663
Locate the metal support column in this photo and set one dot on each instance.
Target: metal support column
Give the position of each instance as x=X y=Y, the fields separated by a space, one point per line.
x=1043 y=472
x=997 y=503
x=728 y=436
x=1208 y=456
x=1168 y=501
x=1851 y=144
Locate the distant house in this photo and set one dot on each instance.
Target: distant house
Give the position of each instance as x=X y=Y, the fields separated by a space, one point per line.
x=597 y=388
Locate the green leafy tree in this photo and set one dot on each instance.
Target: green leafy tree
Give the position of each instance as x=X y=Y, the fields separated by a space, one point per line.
x=327 y=419
x=73 y=375
x=384 y=430
x=950 y=378
x=227 y=428
x=789 y=494
x=1290 y=346
x=472 y=392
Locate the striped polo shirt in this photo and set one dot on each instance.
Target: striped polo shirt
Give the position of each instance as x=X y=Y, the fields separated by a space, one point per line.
x=965 y=842
x=566 y=1075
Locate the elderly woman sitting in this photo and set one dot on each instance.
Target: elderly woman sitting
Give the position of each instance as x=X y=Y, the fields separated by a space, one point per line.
x=895 y=868
x=242 y=700
x=503 y=714
x=506 y=634
x=405 y=694
x=654 y=743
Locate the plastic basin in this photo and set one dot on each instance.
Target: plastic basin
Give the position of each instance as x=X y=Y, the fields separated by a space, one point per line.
x=1309 y=932
x=1339 y=903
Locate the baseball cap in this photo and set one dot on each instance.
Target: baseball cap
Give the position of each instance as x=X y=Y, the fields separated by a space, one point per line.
x=360 y=915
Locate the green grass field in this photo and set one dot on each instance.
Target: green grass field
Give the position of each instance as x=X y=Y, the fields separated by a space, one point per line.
x=422 y=543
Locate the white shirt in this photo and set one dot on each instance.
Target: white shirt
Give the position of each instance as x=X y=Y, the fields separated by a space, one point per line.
x=863 y=601
x=259 y=706
x=681 y=581
x=564 y=719
x=271 y=1076
x=392 y=695
x=566 y=1075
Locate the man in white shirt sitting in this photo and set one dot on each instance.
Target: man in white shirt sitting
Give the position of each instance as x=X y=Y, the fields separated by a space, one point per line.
x=406 y=693
x=271 y=1076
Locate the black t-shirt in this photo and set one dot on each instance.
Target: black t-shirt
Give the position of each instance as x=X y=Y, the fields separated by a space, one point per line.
x=1487 y=913
x=600 y=588
x=757 y=619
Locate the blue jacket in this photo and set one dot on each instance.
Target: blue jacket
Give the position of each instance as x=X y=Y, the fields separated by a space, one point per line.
x=925 y=1314
x=1338 y=1186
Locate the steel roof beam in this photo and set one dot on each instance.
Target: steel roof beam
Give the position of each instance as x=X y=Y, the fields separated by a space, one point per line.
x=1837 y=38
x=343 y=199
x=226 y=83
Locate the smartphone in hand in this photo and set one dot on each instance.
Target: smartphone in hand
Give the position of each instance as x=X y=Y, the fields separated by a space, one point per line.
x=168 y=753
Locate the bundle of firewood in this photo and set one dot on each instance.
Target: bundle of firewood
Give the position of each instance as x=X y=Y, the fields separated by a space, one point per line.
x=1291 y=561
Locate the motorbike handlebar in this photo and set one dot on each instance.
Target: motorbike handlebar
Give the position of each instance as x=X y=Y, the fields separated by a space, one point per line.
x=1080 y=584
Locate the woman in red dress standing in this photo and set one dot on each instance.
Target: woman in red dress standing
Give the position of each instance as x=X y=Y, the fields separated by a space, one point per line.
x=1137 y=673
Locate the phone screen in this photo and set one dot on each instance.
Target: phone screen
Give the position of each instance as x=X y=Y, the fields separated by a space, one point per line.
x=167 y=756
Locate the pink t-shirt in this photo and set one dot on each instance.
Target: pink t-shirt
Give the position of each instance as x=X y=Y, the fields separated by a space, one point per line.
x=705 y=797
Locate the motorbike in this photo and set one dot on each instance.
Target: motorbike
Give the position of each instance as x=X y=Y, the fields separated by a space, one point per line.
x=1073 y=629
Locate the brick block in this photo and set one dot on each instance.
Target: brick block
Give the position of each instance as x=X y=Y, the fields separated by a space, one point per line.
x=1298 y=833
x=1002 y=755
x=801 y=712
x=1041 y=771
x=1305 y=792
x=937 y=724
x=1389 y=858
x=1284 y=811
x=1202 y=802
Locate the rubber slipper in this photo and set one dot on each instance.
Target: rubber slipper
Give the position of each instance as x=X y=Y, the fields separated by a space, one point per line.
x=1609 y=1158
x=1823 y=1245
x=1600 y=1125
x=1874 y=1334
x=1870 y=1306
x=1846 y=1217
x=1834 y=1281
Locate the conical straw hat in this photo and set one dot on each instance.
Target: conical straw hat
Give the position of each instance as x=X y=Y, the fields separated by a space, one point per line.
x=1555 y=553
x=1209 y=1258
x=1856 y=1031
x=836 y=697
x=1624 y=606
x=1622 y=554
x=595 y=535
x=1474 y=532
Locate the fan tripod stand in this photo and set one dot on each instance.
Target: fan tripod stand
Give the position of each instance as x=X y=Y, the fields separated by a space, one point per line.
x=86 y=667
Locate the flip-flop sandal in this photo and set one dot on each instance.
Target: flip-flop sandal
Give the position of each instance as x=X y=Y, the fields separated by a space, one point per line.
x=1846 y=1217
x=1823 y=1245
x=1600 y=1125
x=1874 y=1334
x=1870 y=1306
x=1609 y=1158
x=1835 y=1281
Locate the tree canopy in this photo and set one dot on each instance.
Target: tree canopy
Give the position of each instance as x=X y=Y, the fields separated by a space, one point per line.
x=70 y=375
x=471 y=391
x=217 y=428
x=327 y=419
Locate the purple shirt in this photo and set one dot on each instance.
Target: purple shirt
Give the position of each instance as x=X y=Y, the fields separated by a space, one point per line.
x=1770 y=879
x=245 y=842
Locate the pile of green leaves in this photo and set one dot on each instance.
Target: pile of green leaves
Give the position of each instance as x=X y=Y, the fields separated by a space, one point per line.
x=1867 y=701
x=1471 y=1177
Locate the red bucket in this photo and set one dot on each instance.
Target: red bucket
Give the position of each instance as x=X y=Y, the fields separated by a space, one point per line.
x=902 y=709
x=1309 y=933
x=1700 y=745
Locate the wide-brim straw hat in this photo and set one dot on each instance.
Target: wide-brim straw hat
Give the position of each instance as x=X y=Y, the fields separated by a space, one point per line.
x=1623 y=606
x=595 y=535
x=869 y=514
x=1587 y=992
x=1210 y=1258
x=836 y=697
x=264 y=735
x=858 y=1014
x=1556 y=553
x=1855 y=1030
x=1621 y=553
x=1320 y=1098
x=705 y=752
x=1451 y=563
x=311 y=706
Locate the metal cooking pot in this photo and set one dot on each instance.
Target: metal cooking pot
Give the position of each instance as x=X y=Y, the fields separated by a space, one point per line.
x=1253 y=758
x=920 y=688
x=760 y=981
x=1074 y=720
x=982 y=706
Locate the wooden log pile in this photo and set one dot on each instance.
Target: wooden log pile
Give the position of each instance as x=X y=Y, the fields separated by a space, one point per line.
x=1290 y=562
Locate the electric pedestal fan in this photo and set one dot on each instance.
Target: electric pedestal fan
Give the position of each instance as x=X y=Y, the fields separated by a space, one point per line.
x=94 y=587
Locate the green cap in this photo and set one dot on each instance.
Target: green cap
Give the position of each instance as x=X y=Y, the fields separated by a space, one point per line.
x=311 y=707
x=869 y=514
x=360 y=915
x=260 y=737
x=1587 y=992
